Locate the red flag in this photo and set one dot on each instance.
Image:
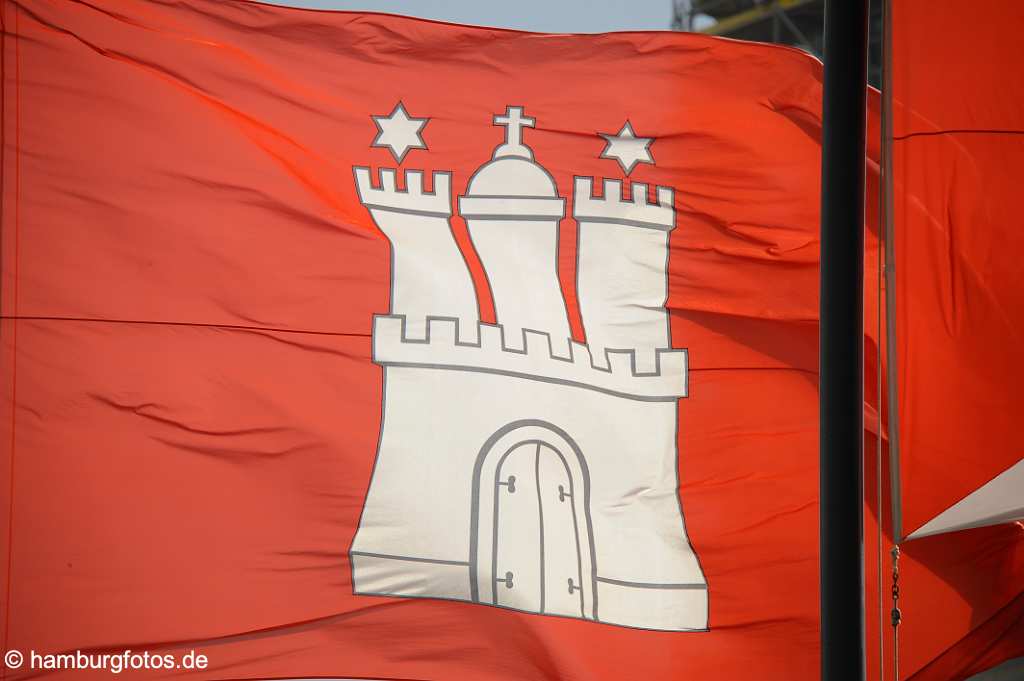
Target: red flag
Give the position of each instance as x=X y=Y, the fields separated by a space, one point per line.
x=205 y=206
x=326 y=333
x=960 y=307
x=958 y=321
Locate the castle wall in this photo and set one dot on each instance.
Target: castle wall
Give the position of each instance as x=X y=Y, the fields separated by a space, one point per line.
x=419 y=504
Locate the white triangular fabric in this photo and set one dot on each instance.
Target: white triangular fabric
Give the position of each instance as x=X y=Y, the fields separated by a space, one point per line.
x=1000 y=500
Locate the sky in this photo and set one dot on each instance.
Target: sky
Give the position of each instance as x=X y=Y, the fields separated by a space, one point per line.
x=549 y=16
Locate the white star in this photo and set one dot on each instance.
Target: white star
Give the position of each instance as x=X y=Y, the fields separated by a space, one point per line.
x=627 y=148
x=399 y=132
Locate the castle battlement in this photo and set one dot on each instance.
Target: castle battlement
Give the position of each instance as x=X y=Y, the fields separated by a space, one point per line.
x=446 y=347
x=611 y=207
x=414 y=199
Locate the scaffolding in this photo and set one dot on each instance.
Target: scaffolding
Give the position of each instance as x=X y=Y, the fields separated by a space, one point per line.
x=797 y=23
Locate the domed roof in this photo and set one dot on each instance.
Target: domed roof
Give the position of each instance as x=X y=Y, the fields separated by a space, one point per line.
x=511 y=176
x=512 y=170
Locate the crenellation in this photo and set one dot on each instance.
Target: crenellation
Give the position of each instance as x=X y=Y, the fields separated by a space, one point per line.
x=638 y=192
x=666 y=197
x=443 y=331
x=446 y=347
x=671 y=362
x=536 y=342
x=612 y=190
x=611 y=207
x=388 y=181
x=581 y=357
x=492 y=335
x=413 y=199
x=621 y=361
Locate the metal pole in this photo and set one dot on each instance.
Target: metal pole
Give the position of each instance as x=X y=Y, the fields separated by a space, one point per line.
x=889 y=235
x=842 y=342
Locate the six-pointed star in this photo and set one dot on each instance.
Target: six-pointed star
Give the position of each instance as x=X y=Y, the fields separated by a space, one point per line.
x=399 y=132
x=627 y=148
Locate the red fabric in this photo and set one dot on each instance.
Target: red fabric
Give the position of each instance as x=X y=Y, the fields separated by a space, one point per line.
x=958 y=135
x=190 y=413
x=950 y=587
x=992 y=643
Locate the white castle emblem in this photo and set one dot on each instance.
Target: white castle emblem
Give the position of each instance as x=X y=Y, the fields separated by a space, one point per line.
x=517 y=468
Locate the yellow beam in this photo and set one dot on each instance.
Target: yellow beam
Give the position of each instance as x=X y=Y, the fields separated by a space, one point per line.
x=752 y=16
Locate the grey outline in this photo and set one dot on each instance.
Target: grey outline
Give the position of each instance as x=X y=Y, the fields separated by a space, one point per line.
x=474 y=528
x=512 y=218
x=571 y=359
x=388 y=556
x=540 y=503
x=707 y=600
x=380 y=131
x=528 y=612
x=517 y=196
x=405 y=211
x=494 y=529
x=377 y=184
x=373 y=475
x=651 y=585
x=618 y=135
x=540 y=516
x=630 y=223
x=576 y=533
x=682 y=517
x=541 y=379
x=522 y=137
x=624 y=184
x=494 y=535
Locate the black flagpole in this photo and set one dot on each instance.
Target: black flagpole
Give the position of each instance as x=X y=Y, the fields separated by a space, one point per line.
x=842 y=341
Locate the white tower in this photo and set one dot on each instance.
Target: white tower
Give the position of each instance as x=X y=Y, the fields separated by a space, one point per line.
x=428 y=272
x=622 y=271
x=512 y=209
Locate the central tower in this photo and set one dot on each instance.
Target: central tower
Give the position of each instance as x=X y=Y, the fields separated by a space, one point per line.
x=512 y=209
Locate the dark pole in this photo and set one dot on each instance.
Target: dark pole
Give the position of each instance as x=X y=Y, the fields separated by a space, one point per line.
x=842 y=341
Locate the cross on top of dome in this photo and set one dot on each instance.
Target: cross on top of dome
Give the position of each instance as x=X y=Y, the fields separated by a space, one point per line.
x=514 y=122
